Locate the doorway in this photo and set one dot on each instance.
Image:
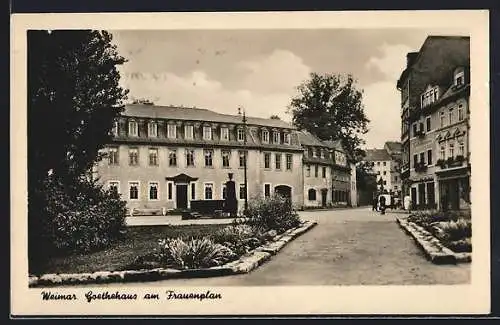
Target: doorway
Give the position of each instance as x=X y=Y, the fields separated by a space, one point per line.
x=181 y=196
x=414 y=197
x=284 y=191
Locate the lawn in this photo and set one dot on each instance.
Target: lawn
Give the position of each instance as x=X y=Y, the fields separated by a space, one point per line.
x=140 y=240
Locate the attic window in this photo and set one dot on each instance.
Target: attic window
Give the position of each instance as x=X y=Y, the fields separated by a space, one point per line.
x=265 y=136
x=459 y=77
x=430 y=96
x=287 y=138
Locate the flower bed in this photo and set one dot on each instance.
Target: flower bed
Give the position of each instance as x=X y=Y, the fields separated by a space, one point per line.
x=232 y=249
x=265 y=219
x=452 y=229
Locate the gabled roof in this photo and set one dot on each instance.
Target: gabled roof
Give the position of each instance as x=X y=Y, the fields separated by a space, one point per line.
x=429 y=42
x=394 y=146
x=377 y=155
x=308 y=139
x=334 y=144
x=197 y=114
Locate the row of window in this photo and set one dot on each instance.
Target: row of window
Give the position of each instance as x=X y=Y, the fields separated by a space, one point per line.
x=134 y=190
x=316 y=171
x=340 y=158
x=208 y=154
x=207 y=132
x=277 y=161
x=337 y=195
x=384 y=163
x=385 y=173
x=444 y=120
x=442 y=153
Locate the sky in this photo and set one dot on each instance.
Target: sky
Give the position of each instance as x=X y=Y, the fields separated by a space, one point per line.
x=260 y=69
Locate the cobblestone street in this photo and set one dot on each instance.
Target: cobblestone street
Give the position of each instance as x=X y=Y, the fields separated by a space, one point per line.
x=348 y=247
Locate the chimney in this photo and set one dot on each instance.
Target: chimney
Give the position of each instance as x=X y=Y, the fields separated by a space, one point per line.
x=410 y=58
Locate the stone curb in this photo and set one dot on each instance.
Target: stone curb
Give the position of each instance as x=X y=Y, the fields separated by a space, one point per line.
x=432 y=247
x=244 y=264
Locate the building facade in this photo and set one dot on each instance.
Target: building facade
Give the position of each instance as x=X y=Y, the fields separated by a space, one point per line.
x=166 y=157
x=317 y=170
x=341 y=175
x=385 y=165
x=435 y=88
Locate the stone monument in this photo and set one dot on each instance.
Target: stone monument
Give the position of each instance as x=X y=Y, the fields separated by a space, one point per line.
x=231 y=204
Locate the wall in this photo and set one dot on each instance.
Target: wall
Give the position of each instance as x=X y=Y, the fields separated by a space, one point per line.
x=317 y=183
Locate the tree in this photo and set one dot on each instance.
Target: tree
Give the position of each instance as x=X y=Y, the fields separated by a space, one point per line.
x=366 y=182
x=73 y=98
x=274 y=117
x=330 y=107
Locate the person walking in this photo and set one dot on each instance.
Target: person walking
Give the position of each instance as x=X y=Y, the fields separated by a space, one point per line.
x=374 y=203
x=382 y=204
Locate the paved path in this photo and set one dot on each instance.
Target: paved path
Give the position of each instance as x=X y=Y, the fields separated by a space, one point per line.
x=347 y=247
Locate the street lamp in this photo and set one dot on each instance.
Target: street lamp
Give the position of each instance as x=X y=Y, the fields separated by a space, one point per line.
x=244 y=120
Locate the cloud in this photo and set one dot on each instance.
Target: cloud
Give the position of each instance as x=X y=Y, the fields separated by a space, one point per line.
x=266 y=87
x=393 y=61
x=382 y=99
x=279 y=72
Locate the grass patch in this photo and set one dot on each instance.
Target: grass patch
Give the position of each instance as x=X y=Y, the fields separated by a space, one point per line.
x=140 y=240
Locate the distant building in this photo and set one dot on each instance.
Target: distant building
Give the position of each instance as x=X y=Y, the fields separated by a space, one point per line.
x=385 y=165
x=435 y=129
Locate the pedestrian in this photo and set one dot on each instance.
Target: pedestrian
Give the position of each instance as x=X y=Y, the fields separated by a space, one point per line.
x=382 y=204
x=374 y=203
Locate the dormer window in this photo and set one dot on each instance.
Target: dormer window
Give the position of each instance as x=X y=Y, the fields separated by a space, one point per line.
x=207 y=133
x=132 y=128
x=322 y=153
x=459 y=77
x=430 y=96
x=188 y=132
x=224 y=134
x=152 y=129
x=265 y=136
x=276 y=137
x=287 y=138
x=172 y=131
x=241 y=134
x=314 y=153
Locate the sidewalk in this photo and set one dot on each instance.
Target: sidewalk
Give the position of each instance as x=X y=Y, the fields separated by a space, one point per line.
x=172 y=220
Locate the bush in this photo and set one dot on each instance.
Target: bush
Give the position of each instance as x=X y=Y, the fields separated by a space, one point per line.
x=239 y=238
x=233 y=233
x=453 y=230
x=460 y=246
x=81 y=219
x=193 y=253
x=426 y=218
x=275 y=213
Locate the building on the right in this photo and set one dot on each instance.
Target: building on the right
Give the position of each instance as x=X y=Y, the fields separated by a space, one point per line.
x=435 y=128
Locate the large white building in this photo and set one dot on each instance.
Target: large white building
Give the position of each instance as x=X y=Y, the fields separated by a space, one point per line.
x=164 y=157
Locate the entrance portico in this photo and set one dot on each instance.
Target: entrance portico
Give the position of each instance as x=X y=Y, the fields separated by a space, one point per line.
x=181 y=183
